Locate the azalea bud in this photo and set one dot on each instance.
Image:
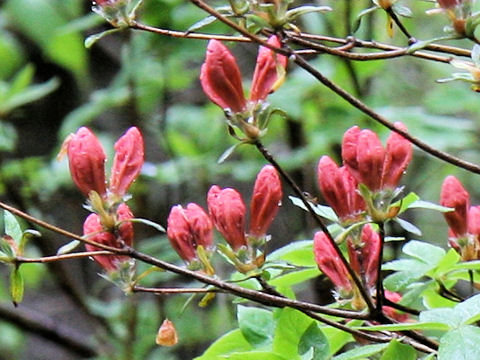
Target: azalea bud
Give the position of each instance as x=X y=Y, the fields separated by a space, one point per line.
x=364 y=257
x=266 y=198
x=448 y=4
x=474 y=220
x=370 y=157
x=86 y=159
x=221 y=79
x=266 y=75
x=397 y=157
x=128 y=161
x=124 y=225
x=167 y=335
x=339 y=188
x=227 y=210
x=392 y=312
x=329 y=262
x=454 y=195
x=350 y=149
x=95 y=231
x=189 y=228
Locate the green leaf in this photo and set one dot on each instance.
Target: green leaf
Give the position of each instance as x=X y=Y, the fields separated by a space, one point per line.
x=421 y=204
x=446 y=264
x=406 y=202
x=338 y=338
x=6 y=248
x=460 y=344
x=401 y=10
x=446 y=316
x=256 y=355
x=92 y=39
x=12 y=227
x=295 y=277
x=321 y=210
x=398 y=351
x=299 y=253
x=468 y=310
x=358 y=20
x=400 y=280
x=305 y=9
x=257 y=325
x=291 y=324
x=228 y=343
x=16 y=286
x=361 y=352
x=150 y=223
x=22 y=79
x=428 y=253
x=202 y=23
x=314 y=339
x=69 y=247
x=27 y=235
x=408 y=226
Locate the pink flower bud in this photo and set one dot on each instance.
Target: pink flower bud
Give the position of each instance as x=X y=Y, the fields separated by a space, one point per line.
x=454 y=195
x=86 y=159
x=95 y=231
x=221 y=79
x=448 y=4
x=350 y=149
x=370 y=157
x=266 y=72
x=364 y=257
x=339 y=188
x=398 y=155
x=474 y=220
x=266 y=198
x=227 y=210
x=187 y=229
x=329 y=262
x=125 y=227
x=391 y=312
x=128 y=161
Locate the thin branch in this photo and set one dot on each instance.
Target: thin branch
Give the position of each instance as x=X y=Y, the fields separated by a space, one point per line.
x=300 y=61
x=400 y=25
x=380 y=294
x=175 y=290
x=400 y=307
x=47 y=259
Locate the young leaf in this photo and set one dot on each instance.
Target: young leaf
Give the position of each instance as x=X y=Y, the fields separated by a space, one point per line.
x=408 y=226
x=322 y=210
x=398 y=351
x=299 y=253
x=257 y=325
x=291 y=324
x=228 y=343
x=92 y=39
x=361 y=352
x=12 y=227
x=69 y=247
x=16 y=286
x=148 y=223
x=460 y=344
x=314 y=339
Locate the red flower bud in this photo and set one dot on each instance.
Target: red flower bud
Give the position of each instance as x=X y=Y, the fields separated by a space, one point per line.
x=339 y=188
x=227 y=210
x=95 y=231
x=370 y=157
x=266 y=198
x=474 y=220
x=221 y=79
x=128 y=161
x=329 y=262
x=350 y=149
x=448 y=4
x=364 y=257
x=86 y=159
x=187 y=229
x=266 y=72
x=454 y=195
x=398 y=155
x=391 y=312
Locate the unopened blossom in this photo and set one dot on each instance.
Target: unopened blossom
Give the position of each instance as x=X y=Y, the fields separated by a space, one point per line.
x=330 y=264
x=188 y=228
x=86 y=159
x=121 y=235
x=365 y=255
x=392 y=312
x=227 y=210
x=266 y=198
x=339 y=189
x=371 y=164
x=448 y=4
x=266 y=76
x=128 y=161
x=222 y=81
x=454 y=195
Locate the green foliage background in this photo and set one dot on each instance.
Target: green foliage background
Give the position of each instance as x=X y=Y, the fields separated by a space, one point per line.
x=50 y=84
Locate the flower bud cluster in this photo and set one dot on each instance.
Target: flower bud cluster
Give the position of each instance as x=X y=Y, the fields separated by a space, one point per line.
x=463 y=221
x=190 y=229
x=110 y=221
x=221 y=80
